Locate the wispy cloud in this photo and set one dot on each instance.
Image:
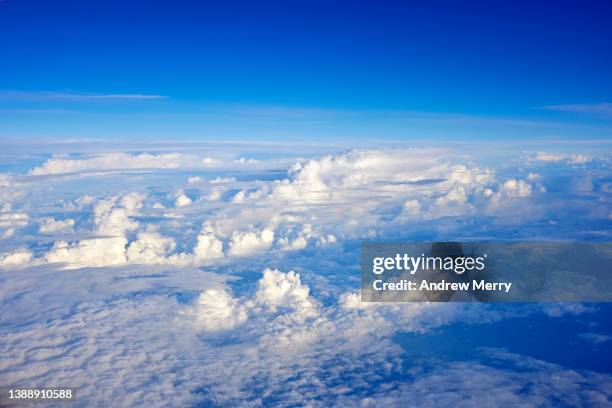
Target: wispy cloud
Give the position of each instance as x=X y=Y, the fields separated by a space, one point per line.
x=35 y=96
x=604 y=108
x=594 y=338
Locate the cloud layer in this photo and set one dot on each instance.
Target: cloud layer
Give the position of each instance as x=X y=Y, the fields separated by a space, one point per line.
x=194 y=284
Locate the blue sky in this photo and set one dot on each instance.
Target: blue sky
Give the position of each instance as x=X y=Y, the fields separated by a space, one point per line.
x=270 y=70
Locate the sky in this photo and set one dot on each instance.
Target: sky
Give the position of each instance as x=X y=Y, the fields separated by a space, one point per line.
x=185 y=188
x=275 y=70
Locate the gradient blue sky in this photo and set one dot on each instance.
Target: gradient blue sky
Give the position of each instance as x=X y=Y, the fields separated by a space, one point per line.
x=269 y=70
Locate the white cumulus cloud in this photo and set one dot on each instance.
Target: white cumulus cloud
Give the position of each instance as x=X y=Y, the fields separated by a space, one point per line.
x=52 y=226
x=95 y=252
x=17 y=258
x=182 y=200
x=244 y=243
x=217 y=310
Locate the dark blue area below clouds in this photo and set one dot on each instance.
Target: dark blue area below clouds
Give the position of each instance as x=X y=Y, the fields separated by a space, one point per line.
x=555 y=340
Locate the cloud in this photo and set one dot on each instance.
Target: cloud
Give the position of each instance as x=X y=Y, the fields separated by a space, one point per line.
x=515 y=188
x=112 y=219
x=208 y=247
x=7 y=233
x=277 y=292
x=17 y=258
x=132 y=202
x=10 y=221
x=95 y=252
x=110 y=162
x=595 y=338
x=604 y=108
x=296 y=239
x=244 y=243
x=10 y=189
x=150 y=248
x=195 y=180
x=358 y=181
x=217 y=310
x=379 y=193
x=99 y=329
x=112 y=216
x=559 y=157
x=284 y=290
x=319 y=178
x=52 y=226
x=105 y=163
x=420 y=183
x=561 y=309
x=44 y=96
x=182 y=200
x=504 y=381
x=210 y=162
x=177 y=306
x=223 y=180
x=273 y=344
